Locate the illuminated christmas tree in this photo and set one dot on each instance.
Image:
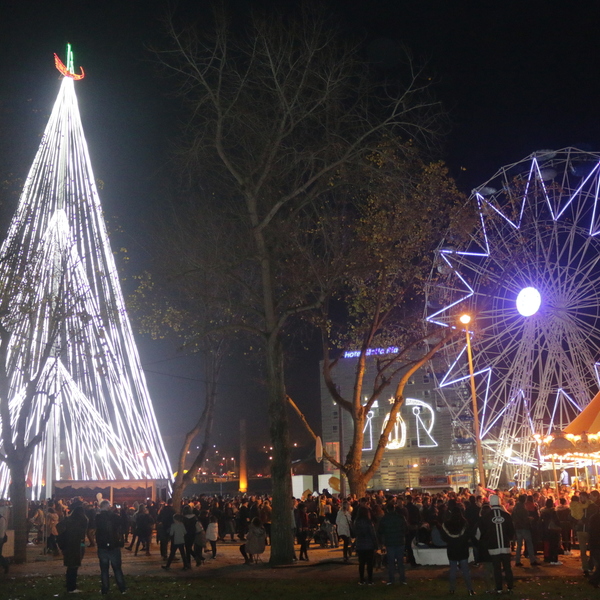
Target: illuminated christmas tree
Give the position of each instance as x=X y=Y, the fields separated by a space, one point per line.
x=57 y=267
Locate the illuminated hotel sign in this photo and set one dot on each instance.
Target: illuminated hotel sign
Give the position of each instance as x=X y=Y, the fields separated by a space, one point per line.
x=372 y=352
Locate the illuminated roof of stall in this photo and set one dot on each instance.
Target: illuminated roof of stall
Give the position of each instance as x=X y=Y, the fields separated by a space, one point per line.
x=588 y=420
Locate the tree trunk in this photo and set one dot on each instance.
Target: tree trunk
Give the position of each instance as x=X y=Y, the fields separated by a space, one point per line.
x=177 y=495
x=282 y=542
x=18 y=498
x=357 y=481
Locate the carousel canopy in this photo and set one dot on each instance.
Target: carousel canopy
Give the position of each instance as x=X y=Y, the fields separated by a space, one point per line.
x=588 y=420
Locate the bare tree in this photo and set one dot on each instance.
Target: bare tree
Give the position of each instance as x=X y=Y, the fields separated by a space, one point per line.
x=277 y=116
x=397 y=226
x=20 y=308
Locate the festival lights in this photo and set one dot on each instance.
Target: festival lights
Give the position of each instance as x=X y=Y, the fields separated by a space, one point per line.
x=536 y=247
x=529 y=301
x=101 y=416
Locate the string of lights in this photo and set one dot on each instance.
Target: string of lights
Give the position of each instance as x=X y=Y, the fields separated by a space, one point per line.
x=102 y=417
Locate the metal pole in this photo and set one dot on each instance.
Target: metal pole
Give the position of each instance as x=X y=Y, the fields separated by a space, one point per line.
x=475 y=413
x=341 y=446
x=243 y=462
x=587 y=477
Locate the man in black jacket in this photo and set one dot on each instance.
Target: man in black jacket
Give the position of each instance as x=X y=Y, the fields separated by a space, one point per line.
x=109 y=539
x=496 y=531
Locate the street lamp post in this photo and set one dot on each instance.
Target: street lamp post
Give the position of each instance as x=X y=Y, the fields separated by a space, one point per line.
x=465 y=320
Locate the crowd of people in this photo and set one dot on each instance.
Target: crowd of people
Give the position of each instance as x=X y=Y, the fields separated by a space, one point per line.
x=382 y=529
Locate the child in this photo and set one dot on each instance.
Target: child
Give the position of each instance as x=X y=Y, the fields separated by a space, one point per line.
x=212 y=534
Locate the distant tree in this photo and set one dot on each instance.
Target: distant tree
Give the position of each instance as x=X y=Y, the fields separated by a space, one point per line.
x=400 y=217
x=277 y=116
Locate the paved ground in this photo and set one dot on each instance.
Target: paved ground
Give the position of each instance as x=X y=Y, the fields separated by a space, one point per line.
x=324 y=564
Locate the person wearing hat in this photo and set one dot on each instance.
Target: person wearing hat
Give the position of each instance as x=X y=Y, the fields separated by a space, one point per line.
x=496 y=530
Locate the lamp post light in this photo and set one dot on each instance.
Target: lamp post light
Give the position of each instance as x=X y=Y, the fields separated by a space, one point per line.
x=465 y=320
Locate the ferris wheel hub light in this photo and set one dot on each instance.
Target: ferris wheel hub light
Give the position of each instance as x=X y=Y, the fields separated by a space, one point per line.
x=528 y=301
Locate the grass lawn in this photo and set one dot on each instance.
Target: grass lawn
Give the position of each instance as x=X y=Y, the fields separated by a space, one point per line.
x=149 y=588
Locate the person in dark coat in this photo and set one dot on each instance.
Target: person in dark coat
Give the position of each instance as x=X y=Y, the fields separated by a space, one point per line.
x=109 y=540
x=413 y=517
x=392 y=531
x=551 y=530
x=523 y=524
x=366 y=544
x=143 y=527
x=594 y=547
x=302 y=530
x=455 y=532
x=71 y=538
x=472 y=510
x=483 y=555
x=243 y=519
x=163 y=526
x=496 y=530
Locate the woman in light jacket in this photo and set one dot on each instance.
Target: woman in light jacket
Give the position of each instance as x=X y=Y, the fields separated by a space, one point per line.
x=255 y=541
x=343 y=522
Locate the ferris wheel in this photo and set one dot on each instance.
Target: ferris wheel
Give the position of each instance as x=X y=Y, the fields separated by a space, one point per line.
x=529 y=275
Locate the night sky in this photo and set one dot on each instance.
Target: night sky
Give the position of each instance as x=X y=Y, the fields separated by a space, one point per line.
x=514 y=77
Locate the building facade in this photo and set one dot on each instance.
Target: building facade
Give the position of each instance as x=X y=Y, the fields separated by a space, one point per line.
x=426 y=449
